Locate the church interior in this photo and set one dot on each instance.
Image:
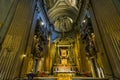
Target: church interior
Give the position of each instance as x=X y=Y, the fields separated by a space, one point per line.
x=59 y=39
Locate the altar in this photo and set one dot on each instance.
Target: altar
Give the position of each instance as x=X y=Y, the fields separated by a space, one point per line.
x=64 y=76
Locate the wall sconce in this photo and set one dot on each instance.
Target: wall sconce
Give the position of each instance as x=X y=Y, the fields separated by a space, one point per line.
x=24 y=55
x=42 y=23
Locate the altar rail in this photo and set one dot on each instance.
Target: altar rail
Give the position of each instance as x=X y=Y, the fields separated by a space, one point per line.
x=56 y=78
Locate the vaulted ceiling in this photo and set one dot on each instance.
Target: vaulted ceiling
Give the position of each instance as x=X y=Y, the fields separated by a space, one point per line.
x=63 y=13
